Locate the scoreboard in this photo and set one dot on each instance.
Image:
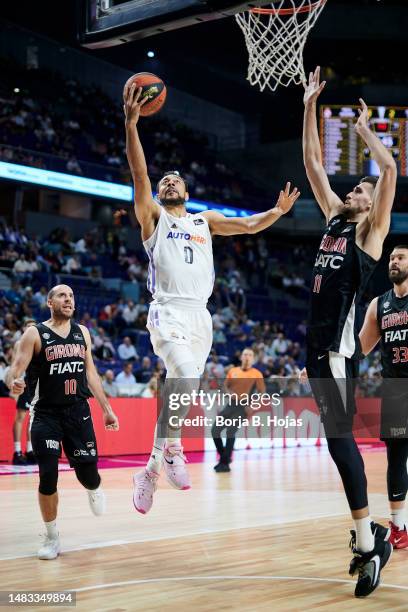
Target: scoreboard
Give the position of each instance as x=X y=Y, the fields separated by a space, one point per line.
x=345 y=153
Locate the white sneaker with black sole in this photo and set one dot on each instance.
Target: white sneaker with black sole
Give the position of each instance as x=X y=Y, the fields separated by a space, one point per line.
x=97 y=501
x=50 y=549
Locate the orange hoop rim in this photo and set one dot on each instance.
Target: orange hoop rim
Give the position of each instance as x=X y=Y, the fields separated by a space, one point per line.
x=288 y=11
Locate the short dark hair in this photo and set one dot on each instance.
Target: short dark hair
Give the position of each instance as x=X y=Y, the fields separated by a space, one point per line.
x=400 y=246
x=168 y=173
x=373 y=180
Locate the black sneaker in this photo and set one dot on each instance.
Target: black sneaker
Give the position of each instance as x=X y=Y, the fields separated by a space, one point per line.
x=368 y=565
x=19 y=459
x=30 y=458
x=222 y=467
x=380 y=532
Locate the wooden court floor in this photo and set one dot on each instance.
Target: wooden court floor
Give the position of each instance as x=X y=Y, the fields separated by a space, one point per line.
x=272 y=535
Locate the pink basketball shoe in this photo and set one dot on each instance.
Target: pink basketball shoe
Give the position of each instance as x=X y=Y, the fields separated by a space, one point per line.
x=174 y=463
x=145 y=484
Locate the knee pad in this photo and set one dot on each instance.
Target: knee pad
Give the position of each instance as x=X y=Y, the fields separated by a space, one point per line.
x=48 y=468
x=88 y=475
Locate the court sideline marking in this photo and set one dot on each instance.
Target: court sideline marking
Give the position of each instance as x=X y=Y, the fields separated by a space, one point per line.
x=192 y=578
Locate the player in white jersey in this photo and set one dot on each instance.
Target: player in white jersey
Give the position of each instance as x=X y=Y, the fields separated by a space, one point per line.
x=181 y=277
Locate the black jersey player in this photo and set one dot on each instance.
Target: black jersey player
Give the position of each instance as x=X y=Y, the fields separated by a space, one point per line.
x=351 y=246
x=387 y=320
x=60 y=374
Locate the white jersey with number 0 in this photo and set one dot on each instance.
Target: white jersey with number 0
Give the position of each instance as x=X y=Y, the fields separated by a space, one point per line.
x=181 y=262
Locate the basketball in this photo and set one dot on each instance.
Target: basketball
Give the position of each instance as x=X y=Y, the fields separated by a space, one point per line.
x=152 y=87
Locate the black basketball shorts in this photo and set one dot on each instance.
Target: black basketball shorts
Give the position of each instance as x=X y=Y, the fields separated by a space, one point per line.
x=24 y=401
x=70 y=428
x=332 y=378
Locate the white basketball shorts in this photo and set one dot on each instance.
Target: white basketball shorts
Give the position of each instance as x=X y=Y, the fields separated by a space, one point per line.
x=179 y=335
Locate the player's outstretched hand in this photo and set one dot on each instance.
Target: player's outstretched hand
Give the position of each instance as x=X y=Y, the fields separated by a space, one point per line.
x=362 y=121
x=132 y=103
x=111 y=420
x=17 y=386
x=313 y=88
x=287 y=199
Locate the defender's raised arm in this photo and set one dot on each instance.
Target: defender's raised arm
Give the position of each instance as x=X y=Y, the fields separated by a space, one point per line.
x=379 y=217
x=328 y=201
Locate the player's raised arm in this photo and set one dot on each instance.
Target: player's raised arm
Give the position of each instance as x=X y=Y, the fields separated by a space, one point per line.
x=146 y=209
x=230 y=226
x=21 y=360
x=95 y=385
x=370 y=332
x=312 y=154
x=379 y=217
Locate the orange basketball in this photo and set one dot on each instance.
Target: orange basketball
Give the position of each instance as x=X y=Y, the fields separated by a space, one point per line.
x=152 y=87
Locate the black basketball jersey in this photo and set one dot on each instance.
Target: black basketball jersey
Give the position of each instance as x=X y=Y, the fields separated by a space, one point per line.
x=58 y=372
x=340 y=275
x=392 y=318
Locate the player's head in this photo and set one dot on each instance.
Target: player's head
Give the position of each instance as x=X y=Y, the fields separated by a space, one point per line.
x=61 y=302
x=172 y=189
x=28 y=322
x=359 y=200
x=398 y=266
x=247 y=358
x=128 y=368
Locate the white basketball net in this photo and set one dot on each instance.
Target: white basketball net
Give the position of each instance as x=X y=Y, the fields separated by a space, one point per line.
x=275 y=41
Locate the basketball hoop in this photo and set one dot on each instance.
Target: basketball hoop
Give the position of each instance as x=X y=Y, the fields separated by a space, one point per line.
x=275 y=38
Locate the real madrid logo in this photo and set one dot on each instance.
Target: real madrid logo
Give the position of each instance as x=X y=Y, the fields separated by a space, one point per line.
x=46 y=336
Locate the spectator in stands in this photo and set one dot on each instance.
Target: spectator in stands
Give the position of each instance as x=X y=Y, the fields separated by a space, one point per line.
x=8 y=257
x=32 y=263
x=146 y=371
x=151 y=388
x=40 y=297
x=103 y=347
x=126 y=377
x=21 y=266
x=73 y=166
x=73 y=265
x=80 y=246
x=213 y=367
x=109 y=385
x=127 y=350
x=130 y=313
x=279 y=346
x=135 y=269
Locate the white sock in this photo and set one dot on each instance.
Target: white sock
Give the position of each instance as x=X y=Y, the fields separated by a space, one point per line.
x=17 y=447
x=51 y=528
x=155 y=461
x=29 y=448
x=398 y=517
x=364 y=535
